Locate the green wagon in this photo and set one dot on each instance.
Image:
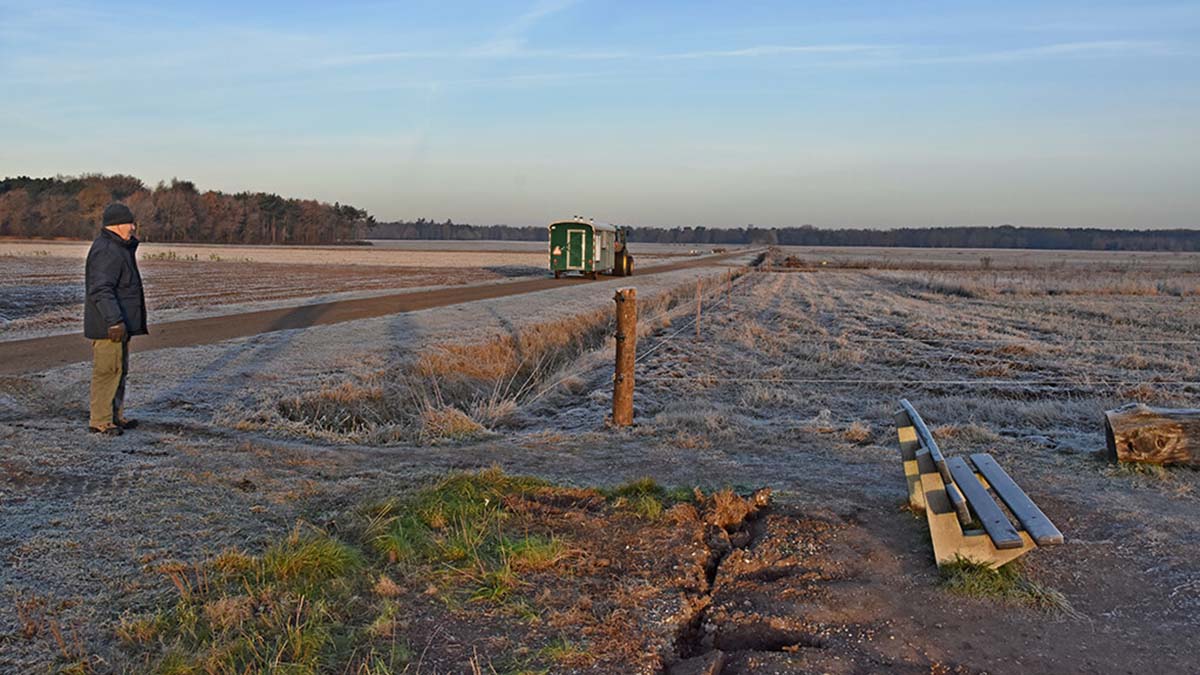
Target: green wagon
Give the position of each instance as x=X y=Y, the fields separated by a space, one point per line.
x=590 y=248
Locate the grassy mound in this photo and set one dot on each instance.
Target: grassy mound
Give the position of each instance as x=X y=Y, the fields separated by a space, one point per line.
x=323 y=601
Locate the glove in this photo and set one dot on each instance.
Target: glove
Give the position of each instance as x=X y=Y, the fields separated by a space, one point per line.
x=116 y=332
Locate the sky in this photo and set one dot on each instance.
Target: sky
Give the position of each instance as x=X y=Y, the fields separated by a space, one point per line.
x=659 y=113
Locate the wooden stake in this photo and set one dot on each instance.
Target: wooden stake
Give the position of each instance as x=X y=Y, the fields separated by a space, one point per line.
x=697 y=308
x=626 y=299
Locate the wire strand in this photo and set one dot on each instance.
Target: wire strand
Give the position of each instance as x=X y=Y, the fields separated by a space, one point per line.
x=982 y=383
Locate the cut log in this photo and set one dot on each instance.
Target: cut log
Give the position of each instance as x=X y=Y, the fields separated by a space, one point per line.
x=1140 y=433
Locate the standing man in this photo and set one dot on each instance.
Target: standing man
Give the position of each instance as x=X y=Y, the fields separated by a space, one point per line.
x=114 y=309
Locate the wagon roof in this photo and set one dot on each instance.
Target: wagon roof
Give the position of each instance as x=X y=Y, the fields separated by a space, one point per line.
x=600 y=227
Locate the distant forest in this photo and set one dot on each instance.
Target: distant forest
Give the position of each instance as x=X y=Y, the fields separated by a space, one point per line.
x=1005 y=236
x=66 y=206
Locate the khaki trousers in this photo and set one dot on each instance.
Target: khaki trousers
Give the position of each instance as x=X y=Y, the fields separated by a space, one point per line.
x=110 y=362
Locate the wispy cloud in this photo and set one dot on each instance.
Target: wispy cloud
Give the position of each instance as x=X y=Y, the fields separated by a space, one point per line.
x=778 y=50
x=864 y=54
x=1062 y=49
x=495 y=50
x=535 y=14
x=508 y=41
x=515 y=49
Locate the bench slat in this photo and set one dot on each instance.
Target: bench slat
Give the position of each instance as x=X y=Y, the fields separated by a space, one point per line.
x=939 y=461
x=997 y=525
x=1040 y=529
x=959 y=503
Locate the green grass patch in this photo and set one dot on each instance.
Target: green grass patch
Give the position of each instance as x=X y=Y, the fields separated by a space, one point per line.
x=300 y=607
x=646 y=498
x=563 y=652
x=314 y=602
x=1008 y=583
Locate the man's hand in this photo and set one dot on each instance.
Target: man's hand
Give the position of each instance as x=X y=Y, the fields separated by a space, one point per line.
x=116 y=332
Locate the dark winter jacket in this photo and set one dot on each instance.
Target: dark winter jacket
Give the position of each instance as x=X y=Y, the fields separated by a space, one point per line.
x=113 y=287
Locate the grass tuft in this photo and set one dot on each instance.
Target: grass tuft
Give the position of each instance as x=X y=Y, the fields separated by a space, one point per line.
x=310 y=557
x=563 y=652
x=646 y=498
x=1007 y=583
x=449 y=424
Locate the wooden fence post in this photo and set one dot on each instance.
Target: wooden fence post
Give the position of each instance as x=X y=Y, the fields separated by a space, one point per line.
x=697 y=308
x=626 y=299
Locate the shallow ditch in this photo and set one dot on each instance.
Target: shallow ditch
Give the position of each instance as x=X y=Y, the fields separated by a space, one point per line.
x=705 y=641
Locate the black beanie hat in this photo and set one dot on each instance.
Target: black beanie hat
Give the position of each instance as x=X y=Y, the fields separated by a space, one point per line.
x=117 y=214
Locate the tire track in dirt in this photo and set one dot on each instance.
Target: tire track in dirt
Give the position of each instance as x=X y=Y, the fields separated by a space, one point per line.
x=36 y=354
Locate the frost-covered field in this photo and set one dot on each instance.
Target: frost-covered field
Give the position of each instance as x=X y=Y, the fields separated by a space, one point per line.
x=976 y=258
x=397 y=253
x=479 y=255
x=41 y=282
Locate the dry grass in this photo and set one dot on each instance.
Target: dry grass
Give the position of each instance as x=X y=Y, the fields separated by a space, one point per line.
x=857 y=433
x=449 y=424
x=966 y=434
x=459 y=392
x=1047 y=281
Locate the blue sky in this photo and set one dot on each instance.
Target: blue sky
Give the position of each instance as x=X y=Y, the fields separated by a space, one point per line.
x=870 y=114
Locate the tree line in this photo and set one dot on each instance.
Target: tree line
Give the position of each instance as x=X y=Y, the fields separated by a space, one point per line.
x=1004 y=236
x=71 y=207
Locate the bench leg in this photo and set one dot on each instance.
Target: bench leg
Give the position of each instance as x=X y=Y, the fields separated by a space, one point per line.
x=912 y=472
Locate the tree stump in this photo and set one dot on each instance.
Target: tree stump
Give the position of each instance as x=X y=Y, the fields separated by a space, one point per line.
x=1140 y=433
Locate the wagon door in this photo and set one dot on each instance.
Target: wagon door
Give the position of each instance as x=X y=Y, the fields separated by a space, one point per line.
x=575 y=240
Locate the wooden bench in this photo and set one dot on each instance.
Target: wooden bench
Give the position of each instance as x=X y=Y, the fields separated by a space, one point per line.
x=962 y=501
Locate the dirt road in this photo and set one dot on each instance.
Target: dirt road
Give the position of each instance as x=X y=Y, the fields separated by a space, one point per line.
x=37 y=354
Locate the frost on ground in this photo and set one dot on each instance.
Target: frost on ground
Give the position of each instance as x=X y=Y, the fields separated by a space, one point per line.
x=791 y=384
x=41 y=283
